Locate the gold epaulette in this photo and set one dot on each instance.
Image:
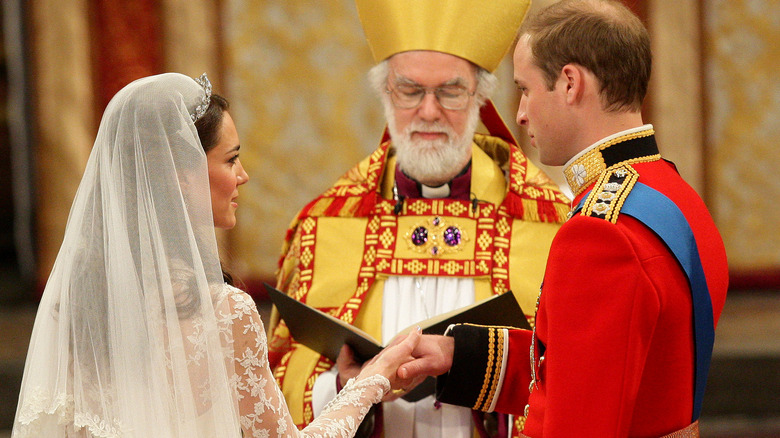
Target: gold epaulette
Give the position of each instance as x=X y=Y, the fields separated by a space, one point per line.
x=610 y=192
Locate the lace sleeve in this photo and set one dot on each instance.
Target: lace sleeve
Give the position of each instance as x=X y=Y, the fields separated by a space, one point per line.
x=262 y=407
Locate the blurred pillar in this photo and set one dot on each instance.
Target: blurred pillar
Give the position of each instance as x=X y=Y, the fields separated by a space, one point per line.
x=63 y=112
x=676 y=86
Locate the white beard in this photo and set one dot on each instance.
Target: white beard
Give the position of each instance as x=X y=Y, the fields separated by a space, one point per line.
x=432 y=161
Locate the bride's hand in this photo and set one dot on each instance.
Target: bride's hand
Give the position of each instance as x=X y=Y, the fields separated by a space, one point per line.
x=388 y=360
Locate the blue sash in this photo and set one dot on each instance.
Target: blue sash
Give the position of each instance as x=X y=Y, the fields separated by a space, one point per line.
x=661 y=215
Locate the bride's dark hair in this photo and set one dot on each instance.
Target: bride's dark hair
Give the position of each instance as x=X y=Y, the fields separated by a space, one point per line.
x=209 y=124
x=208 y=127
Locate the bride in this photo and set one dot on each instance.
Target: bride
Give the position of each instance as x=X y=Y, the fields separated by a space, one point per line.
x=138 y=332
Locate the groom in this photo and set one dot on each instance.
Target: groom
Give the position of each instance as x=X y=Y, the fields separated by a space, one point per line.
x=636 y=278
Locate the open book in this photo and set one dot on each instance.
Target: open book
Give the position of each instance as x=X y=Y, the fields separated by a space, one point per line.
x=326 y=334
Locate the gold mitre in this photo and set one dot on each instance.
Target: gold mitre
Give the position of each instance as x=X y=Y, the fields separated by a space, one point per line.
x=480 y=31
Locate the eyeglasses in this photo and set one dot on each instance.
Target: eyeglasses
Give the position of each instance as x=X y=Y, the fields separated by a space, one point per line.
x=451 y=97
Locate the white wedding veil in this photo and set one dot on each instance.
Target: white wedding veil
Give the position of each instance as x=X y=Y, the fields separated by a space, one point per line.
x=126 y=341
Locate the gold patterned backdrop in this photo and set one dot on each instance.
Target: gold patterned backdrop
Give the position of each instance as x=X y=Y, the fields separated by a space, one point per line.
x=742 y=56
x=295 y=74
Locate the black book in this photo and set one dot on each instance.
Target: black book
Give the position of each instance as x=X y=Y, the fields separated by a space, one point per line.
x=326 y=334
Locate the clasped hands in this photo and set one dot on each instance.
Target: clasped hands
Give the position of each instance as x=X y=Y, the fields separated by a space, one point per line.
x=406 y=362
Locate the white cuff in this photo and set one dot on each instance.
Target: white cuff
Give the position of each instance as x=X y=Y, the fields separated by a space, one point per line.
x=324 y=390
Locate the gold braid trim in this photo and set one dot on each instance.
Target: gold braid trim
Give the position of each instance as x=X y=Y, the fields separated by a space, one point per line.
x=493 y=367
x=497 y=370
x=585 y=169
x=691 y=431
x=488 y=369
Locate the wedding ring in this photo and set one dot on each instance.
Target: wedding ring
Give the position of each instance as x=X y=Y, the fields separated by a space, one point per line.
x=398 y=391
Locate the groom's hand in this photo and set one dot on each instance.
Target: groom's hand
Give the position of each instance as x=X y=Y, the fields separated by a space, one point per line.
x=433 y=357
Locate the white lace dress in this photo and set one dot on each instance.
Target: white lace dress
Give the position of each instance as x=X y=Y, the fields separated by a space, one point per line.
x=262 y=407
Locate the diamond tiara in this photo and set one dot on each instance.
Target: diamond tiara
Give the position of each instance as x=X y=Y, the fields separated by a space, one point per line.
x=204 y=82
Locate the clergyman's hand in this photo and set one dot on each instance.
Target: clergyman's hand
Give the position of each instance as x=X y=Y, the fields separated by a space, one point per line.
x=347 y=366
x=433 y=357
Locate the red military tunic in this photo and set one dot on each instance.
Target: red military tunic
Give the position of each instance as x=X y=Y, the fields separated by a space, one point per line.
x=615 y=350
